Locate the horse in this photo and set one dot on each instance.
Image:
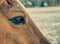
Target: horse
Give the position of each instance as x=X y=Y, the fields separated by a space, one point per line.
x=16 y=27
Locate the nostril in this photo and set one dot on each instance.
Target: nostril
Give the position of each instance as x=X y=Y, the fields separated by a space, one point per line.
x=17 y=20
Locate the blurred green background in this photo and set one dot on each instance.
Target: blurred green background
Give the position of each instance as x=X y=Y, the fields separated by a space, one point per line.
x=40 y=3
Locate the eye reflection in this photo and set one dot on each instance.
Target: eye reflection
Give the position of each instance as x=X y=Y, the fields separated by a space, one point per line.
x=17 y=20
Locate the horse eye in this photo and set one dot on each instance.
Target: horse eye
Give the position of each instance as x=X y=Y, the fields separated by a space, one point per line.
x=17 y=20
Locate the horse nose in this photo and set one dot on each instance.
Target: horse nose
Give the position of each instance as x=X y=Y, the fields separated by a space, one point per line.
x=17 y=20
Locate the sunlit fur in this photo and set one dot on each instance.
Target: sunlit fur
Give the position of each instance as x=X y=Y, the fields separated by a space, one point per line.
x=10 y=33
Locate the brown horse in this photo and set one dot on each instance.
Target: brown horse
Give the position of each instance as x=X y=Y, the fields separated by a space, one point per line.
x=16 y=27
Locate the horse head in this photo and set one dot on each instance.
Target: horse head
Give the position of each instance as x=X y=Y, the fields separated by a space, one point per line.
x=16 y=27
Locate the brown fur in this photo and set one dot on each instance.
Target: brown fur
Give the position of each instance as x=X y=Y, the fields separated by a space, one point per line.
x=18 y=34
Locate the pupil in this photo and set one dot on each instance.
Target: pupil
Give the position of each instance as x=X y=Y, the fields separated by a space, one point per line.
x=18 y=20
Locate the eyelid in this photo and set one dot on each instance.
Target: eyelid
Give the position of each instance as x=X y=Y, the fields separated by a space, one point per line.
x=20 y=11
x=17 y=9
x=17 y=20
x=18 y=25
